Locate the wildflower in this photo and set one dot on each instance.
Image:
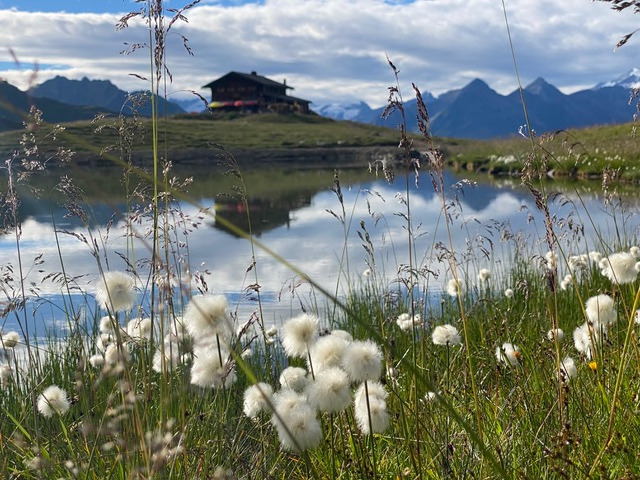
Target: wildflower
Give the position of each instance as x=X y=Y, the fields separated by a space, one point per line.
x=484 y=275
x=327 y=352
x=298 y=334
x=595 y=257
x=294 y=378
x=508 y=353
x=600 y=310
x=593 y=365
x=371 y=410
x=207 y=315
x=584 y=337
x=115 y=291
x=406 y=322
x=211 y=369
x=445 y=335
x=330 y=392
x=555 y=334
x=508 y=293
x=295 y=421
x=53 y=401
x=139 y=328
x=362 y=360
x=257 y=399
x=568 y=369
x=9 y=340
x=453 y=287
x=620 y=268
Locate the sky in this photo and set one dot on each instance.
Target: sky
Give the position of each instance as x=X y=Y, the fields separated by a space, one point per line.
x=328 y=50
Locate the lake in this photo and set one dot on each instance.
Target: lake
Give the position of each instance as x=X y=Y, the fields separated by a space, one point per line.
x=295 y=214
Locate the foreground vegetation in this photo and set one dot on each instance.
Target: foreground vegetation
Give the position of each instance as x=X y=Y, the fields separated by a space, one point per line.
x=515 y=358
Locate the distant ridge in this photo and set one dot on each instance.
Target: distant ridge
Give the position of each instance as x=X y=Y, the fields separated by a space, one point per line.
x=15 y=105
x=102 y=94
x=477 y=111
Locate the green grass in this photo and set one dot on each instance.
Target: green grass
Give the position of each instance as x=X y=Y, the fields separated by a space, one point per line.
x=575 y=153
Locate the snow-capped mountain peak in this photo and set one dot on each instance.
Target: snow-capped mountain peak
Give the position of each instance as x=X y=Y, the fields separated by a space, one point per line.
x=630 y=79
x=342 y=111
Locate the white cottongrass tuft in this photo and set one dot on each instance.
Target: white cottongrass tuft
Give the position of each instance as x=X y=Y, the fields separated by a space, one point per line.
x=584 y=337
x=371 y=410
x=139 y=328
x=257 y=399
x=53 y=401
x=294 y=378
x=115 y=291
x=595 y=257
x=600 y=310
x=295 y=421
x=568 y=369
x=327 y=352
x=330 y=391
x=551 y=260
x=298 y=334
x=362 y=360
x=635 y=251
x=636 y=317
x=109 y=325
x=343 y=334
x=406 y=322
x=453 y=287
x=5 y=375
x=484 y=275
x=566 y=282
x=210 y=369
x=165 y=359
x=578 y=262
x=96 y=360
x=508 y=353
x=116 y=355
x=620 y=268
x=208 y=315
x=555 y=334
x=509 y=293
x=9 y=340
x=446 y=335
x=430 y=397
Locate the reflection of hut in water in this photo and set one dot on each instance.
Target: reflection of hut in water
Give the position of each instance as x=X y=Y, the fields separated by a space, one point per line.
x=265 y=213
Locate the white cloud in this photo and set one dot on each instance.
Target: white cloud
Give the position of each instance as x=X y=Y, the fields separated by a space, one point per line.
x=336 y=50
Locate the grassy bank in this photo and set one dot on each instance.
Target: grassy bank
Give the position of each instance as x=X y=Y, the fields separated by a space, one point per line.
x=577 y=153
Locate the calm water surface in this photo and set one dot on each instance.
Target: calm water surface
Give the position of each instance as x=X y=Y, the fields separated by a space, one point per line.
x=296 y=215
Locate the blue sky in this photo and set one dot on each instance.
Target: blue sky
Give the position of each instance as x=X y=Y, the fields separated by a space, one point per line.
x=328 y=50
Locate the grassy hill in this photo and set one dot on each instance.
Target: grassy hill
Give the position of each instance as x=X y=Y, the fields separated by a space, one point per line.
x=580 y=153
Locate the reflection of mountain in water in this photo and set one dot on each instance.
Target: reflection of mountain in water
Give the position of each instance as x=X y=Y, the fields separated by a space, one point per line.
x=265 y=214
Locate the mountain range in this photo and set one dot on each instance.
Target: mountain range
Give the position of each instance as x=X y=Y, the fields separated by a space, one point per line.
x=474 y=111
x=64 y=100
x=477 y=111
